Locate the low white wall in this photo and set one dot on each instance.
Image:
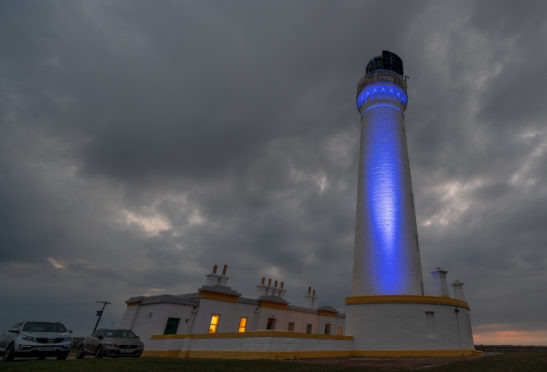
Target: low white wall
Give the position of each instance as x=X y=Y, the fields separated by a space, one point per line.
x=261 y=344
x=402 y=326
x=270 y=344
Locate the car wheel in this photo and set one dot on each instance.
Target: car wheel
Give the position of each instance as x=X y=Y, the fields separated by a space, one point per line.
x=62 y=356
x=81 y=352
x=8 y=353
x=99 y=352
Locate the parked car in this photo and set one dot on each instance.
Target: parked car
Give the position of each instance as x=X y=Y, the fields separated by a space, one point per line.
x=111 y=342
x=36 y=339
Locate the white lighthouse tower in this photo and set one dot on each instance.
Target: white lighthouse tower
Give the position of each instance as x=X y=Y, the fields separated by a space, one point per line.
x=387 y=257
x=388 y=313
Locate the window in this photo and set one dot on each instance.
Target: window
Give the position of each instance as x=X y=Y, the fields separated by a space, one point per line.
x=327 y=329
x=308 y=328
x=291 y=326
x=271 y=323
x=214 y=323
x=171 y=326
x=242 y=324
x=430 y=324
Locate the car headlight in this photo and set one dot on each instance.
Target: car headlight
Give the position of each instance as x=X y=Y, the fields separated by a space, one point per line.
x=109 y=344
x=28 y=338
x=68 y=339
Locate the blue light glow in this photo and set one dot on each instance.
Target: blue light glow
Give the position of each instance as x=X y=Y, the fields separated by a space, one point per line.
x=382 y=90
x=384 y=181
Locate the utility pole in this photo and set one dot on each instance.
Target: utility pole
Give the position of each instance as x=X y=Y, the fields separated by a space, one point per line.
x=100 y=313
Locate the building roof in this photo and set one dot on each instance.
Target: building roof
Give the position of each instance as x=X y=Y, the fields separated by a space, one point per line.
x=220 y=289
x=166 y=298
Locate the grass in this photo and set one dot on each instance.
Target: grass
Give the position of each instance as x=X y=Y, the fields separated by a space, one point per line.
x=509 y=362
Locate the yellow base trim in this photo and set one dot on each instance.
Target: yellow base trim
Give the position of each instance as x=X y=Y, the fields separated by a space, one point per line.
x=273 y=305
x=406 y=299
x=327 y=313
x=218 y=296
x=272 y=355
x=162 y=353
x=286 y=334
x=133 y=303
x=276 y=355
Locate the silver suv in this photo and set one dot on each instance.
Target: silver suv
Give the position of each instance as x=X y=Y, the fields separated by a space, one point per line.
x=111 y=342
x=36 y=339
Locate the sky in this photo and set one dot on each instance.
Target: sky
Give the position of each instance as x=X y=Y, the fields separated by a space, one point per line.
x=143 y=142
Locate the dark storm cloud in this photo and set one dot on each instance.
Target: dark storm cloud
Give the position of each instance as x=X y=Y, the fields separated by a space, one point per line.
x=143 y=142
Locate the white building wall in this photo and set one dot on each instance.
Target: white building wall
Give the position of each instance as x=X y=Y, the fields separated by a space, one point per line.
x=300 y=320
x=334 y=322
x=402 y=326
x=151 y=319
x=129 y=317
x=230 y=315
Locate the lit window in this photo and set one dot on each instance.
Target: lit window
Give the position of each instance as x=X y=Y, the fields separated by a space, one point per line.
x=214 y=323
x=242 y=325
x=339 y=331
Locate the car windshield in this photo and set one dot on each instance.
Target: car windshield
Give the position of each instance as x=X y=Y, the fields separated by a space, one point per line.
x=120 y=333
x=44 y=327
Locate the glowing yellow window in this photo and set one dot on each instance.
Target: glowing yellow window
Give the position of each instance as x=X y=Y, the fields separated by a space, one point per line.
x=214 y=323
x=242 y=325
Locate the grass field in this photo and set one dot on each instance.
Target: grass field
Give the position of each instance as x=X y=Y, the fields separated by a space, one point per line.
x=533 y=362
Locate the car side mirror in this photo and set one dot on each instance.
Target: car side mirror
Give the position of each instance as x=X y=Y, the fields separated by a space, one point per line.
x=13 y=331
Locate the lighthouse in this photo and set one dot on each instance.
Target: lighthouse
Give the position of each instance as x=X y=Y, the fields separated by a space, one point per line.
x=386 y=256
x=388 y=313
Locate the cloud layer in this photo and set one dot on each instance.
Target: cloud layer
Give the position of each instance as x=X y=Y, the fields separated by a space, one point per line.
x=142 y=143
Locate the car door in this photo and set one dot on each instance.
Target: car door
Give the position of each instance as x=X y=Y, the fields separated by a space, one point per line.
x=99 y=339
x=92 y=341
x=8 y=337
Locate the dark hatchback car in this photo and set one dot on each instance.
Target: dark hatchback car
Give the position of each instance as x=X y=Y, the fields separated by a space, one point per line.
x=112 y=343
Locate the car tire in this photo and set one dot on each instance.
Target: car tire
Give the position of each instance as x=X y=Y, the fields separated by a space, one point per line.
x=81 y=352
x=99 y=352
x=8 y=353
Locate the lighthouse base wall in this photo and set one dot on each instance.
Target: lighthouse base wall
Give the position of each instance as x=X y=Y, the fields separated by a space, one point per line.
x=415 y=325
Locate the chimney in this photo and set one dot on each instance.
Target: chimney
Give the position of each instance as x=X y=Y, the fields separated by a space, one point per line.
x=281 y=290
x=213 y=278
x=223 y=280
x=310 y=301
x=261 y=288
x=458 y=290
x=440 y=288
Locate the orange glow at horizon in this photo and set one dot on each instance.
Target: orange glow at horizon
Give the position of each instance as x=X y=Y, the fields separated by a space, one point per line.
x=502 y=334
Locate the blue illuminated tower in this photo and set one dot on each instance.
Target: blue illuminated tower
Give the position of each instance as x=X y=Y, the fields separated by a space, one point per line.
x=387 y=255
